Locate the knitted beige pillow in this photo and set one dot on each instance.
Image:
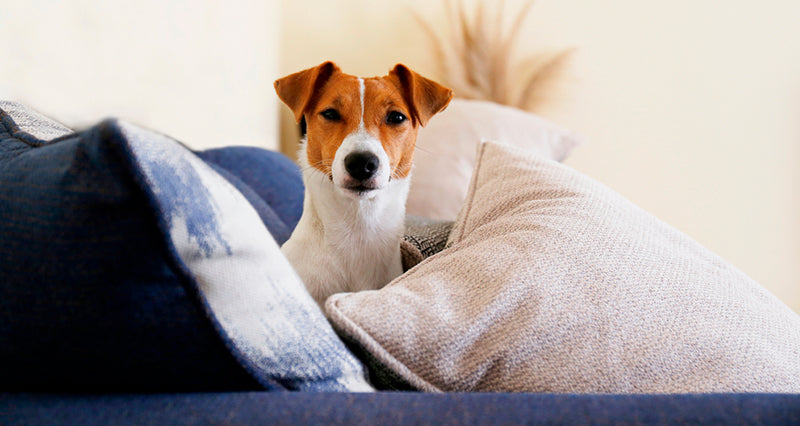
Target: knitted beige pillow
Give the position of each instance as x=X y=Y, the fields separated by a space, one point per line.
x=445 y=155
x=552 y=282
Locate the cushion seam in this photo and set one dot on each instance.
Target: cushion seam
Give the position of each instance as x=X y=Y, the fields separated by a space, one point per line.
x=458 y=233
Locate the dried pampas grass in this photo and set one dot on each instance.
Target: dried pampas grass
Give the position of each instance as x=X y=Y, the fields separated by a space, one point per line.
x=476 y=63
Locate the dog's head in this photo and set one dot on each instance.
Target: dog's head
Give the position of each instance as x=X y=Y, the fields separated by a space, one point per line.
x=361 y=132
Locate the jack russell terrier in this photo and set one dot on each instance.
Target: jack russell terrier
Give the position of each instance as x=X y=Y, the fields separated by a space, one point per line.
x=356 y=158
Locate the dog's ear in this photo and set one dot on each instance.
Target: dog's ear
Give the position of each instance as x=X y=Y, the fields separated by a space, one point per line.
x=296 y=90
x=424 y=97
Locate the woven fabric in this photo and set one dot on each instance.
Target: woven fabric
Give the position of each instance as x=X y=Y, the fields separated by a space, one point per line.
x=552 y=282
x=445 y=156
x=423 y=237
x=32 y=122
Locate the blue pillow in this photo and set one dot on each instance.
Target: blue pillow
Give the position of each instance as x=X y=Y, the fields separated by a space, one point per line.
x=127 y=264
x=271 y=176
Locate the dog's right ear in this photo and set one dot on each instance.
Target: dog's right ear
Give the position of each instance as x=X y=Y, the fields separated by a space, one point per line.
x=297 y=90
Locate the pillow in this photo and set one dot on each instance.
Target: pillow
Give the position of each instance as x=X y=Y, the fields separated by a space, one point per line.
x=32 y=122
x=423 y=237
x=270 y=177
x=445 y=154
x=128 y=265
x=552 y=282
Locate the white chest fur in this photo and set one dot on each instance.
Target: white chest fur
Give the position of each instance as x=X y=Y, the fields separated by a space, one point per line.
x=343 y=244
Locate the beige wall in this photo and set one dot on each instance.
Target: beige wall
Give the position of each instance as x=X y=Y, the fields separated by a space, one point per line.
x=201 y=72
x=690 y=108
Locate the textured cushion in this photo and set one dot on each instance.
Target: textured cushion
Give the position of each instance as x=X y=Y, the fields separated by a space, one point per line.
x=552 y=282
x=423 y=238
x=32 y=122
x=128 y=264
x=445 y=154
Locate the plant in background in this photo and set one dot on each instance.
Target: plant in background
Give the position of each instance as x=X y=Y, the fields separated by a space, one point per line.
x=476 y=59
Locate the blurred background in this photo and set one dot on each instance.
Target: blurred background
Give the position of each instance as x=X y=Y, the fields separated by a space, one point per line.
x=690 y=108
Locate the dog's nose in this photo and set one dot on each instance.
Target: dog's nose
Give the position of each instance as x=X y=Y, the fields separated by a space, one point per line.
x=361 y=165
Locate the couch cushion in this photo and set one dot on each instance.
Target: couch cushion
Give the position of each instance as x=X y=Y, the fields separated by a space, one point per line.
x=445 y=154
x=552 y=282
x=263 y=177
x=128 y=264
x=423 y=237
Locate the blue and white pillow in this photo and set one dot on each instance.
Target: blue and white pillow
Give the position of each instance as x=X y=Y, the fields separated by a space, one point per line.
x=252 y=294
x=127 y=263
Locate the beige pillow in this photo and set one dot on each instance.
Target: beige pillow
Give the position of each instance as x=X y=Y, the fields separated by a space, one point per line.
x=446 y=148
x=552 y=282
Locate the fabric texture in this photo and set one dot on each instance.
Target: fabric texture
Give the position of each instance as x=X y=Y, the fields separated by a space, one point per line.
x=400 y=408
x=423 y=237
x=445 y=154
x=32 y=122
x=128 y=264
x=552 y=282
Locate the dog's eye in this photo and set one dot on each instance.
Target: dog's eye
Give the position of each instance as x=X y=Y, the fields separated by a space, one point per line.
x=395 y=117
x=330 y=114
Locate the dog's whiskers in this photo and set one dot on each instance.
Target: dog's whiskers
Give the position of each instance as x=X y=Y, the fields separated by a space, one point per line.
x=327 y=166
x=417 y=147
x=399 y=172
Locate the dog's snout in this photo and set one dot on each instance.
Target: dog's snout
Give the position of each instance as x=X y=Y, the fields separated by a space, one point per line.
x=361 y=165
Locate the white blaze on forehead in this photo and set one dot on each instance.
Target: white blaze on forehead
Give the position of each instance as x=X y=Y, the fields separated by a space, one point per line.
x=362 y=90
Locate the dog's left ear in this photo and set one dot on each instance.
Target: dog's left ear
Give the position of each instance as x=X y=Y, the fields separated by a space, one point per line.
x=424 y=97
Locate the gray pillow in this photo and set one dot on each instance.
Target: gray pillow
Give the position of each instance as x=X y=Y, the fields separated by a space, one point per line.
x=33 y=122
x=423 y=237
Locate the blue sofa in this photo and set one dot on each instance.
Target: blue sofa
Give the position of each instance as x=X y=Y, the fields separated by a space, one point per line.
x=397 y=408
x=111 y=241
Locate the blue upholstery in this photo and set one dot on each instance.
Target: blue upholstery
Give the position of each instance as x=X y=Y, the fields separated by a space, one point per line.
x=401 y=408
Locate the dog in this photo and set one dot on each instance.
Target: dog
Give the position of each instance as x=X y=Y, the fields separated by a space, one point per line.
x=356 y=157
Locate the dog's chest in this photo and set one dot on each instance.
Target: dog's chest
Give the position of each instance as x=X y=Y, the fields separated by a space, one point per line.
x=347 y=263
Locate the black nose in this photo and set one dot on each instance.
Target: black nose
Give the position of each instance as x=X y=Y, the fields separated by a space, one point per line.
x=361 y=165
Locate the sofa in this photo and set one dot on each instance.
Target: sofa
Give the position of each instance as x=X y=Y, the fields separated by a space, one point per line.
x=142 y=282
